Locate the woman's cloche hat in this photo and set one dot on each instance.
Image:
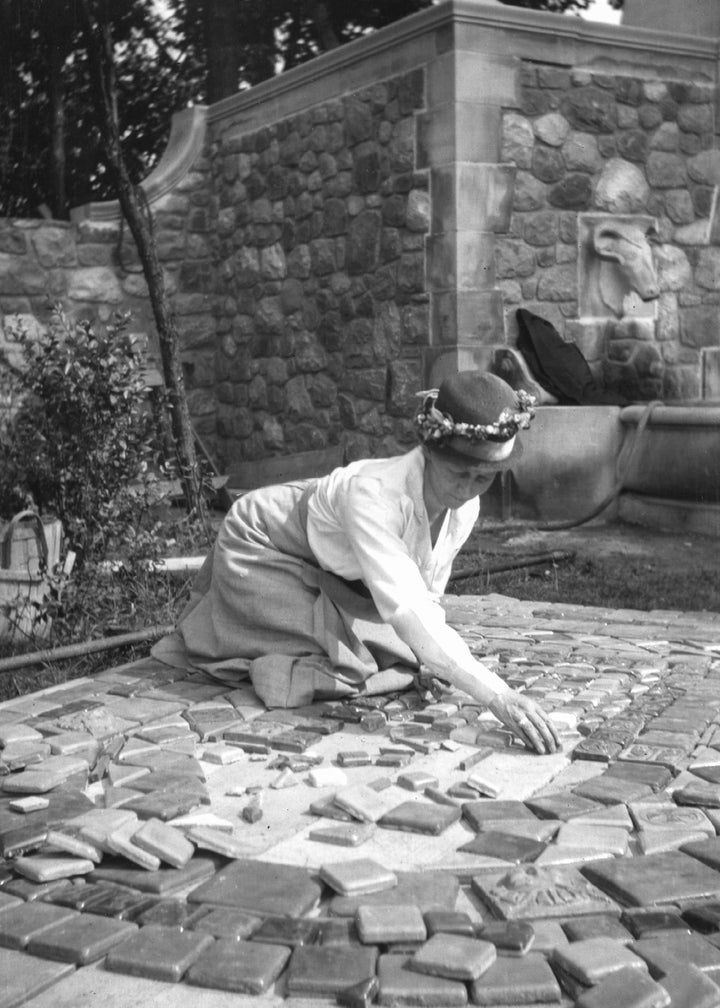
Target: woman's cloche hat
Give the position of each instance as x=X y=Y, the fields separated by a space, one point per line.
x=474 y=417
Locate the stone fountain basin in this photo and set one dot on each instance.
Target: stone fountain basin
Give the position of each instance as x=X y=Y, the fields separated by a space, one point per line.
x=574 y=457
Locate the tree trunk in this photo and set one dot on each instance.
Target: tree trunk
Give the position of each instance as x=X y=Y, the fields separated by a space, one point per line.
x=222 y=45
x=137 y=215
x=57 y=131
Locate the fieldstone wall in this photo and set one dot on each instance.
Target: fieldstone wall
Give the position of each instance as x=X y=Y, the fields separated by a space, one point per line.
x=320 y=231
x=617 y=145
x=348 y=233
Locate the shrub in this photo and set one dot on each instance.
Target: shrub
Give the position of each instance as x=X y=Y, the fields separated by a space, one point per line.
x=81 y=441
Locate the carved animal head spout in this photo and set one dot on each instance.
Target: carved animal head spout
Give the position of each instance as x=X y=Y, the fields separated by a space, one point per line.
x=627 y=262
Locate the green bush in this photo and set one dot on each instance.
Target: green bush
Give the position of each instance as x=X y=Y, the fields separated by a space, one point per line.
x=81 y=443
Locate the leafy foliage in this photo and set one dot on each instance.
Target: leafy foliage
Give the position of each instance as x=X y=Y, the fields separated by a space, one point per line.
x=81 y=438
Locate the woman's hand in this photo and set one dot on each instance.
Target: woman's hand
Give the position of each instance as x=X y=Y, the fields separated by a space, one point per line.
x=527 y=720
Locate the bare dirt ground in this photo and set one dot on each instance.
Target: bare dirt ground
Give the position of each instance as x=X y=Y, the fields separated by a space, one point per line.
x=616 y=564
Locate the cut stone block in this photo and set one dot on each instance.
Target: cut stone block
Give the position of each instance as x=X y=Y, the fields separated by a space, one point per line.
x=158 y=953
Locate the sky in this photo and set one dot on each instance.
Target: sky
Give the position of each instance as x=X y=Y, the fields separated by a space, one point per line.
x=602 y=11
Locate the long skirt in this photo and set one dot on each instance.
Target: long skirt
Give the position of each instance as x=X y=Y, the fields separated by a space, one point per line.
x=261 y=605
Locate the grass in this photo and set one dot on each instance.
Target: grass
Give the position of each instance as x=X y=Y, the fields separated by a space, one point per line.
x=615 y=582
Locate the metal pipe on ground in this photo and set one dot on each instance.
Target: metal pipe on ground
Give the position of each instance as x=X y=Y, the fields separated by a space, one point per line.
x=555 y=556
x=85 y=648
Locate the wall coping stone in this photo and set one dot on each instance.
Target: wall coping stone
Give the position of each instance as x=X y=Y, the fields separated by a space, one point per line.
x=187 y=137
x=478 y=25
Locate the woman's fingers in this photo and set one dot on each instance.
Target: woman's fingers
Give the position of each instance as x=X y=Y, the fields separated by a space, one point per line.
x=528 y=721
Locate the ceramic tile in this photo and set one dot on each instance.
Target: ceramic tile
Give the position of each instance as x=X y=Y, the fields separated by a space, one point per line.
x=19 y=924
x=429 y=890
x=49 y=869
x=120 y=842
x=240 y=966
x=420 y=817
x=290 y=931
x=504 y=846
x=629 y=988
x=596 y=926
x=668 y=816
x=350 y=835
x=359 y=995
x=530 y=892
x=592 y=959
x=163 y=805
x=81 y=940
x=479 y=813
x=324 y=971
x=642 y=923
x=674 y=947
x=561 y=805
x=227 y=923
x=165 y=842
x=261 y=887
x=363 y=803
x=31 y=803
x=656 y=776
x=170 y=913
x=8 y=900
x=357 y=877
x=158 y=953
x=449 y=922
x=655 y=879
x=512 y=938
x=229 y=845
x=612 y=839
x=549 y=935
x=689 y=987
x=399 y=985
x=162 y=882
x=609 y=790
x=704 y=918
x=515 y=981
x=390 y=922
x=25 y=977
x=454 y=956
x=124 y=904
x=700 y=793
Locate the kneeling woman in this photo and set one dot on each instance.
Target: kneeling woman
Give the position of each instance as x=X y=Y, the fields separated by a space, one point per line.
x=330 y=587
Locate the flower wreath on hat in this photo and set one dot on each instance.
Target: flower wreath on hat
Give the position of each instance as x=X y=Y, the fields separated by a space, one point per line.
x=436 y=428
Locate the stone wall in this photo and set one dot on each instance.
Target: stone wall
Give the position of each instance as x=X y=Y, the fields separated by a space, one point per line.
x=618 y=146
x=320 y=231
x=345 y=234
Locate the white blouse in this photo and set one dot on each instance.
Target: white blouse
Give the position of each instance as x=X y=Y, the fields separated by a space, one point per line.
x=368 y=521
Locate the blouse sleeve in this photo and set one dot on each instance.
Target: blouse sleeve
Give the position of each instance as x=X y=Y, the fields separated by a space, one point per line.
x=373 y=516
